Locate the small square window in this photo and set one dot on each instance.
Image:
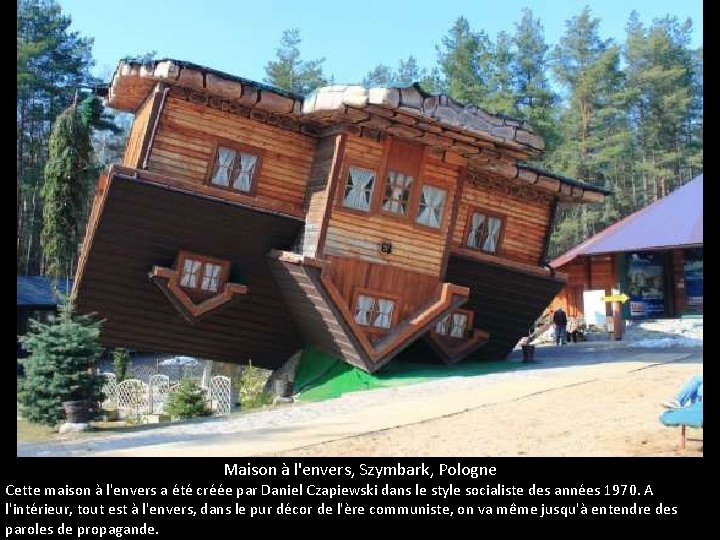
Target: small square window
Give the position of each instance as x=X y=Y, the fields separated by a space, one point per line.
x=234 y=169
x=397 y=193
x=432 y=203
x=484 y=232
x=359 y=188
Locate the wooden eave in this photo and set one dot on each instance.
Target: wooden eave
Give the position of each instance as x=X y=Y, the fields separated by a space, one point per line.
x=261 y=204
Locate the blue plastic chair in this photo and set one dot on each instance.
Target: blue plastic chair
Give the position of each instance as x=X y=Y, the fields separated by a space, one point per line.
x=691 y=416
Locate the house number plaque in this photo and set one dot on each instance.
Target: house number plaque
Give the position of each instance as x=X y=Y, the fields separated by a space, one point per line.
x=386 y=248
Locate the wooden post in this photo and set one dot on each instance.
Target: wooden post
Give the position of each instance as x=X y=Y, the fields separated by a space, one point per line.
x=617 y=321
x=682 y=437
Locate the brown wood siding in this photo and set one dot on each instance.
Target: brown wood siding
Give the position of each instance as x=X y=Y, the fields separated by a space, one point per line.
x=185 y=142
x=525 y=225
x=316 y=197
x=505 y=302
x=138 y=132
x=144 y=225
x=356 y=234
x=602 y=272
x=414 y=289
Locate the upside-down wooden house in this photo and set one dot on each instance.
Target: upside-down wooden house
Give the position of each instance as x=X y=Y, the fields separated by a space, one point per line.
x=245 y=223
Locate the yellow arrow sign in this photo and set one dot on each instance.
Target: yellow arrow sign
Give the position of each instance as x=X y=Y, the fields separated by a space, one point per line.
x=622 y=298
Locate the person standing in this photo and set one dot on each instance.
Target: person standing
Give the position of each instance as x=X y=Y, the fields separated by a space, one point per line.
x=560 y=321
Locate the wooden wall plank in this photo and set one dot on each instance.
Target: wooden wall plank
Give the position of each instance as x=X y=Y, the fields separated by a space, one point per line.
x=359 y=235
x=145 y=225
x=185 y=142
x=526 y=221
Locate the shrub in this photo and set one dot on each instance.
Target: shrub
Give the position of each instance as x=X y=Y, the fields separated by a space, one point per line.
x=188 y=401
x=61 y=365
x=121 y=362
x=251 y=387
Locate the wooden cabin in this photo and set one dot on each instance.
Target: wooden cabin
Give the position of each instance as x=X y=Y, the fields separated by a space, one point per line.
x=654 y=255
x=245 y=223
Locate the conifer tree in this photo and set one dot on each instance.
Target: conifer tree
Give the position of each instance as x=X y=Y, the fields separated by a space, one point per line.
x=60 y=365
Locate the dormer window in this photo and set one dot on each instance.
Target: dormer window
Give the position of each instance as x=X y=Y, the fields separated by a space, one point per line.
x=235 y=168
x=359 y=188
x=202 y=274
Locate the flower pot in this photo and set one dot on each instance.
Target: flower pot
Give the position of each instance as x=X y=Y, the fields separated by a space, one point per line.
x=77 y=412
x=528 y=352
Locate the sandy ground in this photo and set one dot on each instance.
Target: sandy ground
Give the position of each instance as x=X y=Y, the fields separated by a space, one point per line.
x=613 y=416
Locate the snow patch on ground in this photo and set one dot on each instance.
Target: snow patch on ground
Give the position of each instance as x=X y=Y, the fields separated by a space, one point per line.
x=666 y=342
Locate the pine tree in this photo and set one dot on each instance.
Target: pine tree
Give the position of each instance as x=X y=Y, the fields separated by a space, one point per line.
x=60 y=365
x=64 y=191
x=661 y=72
x=465 y=62
x=535 y=100
x=52 y=62
x=592 y=125
x=380 y=76
x=502 y=97
x=289 y=71
x=188 y=401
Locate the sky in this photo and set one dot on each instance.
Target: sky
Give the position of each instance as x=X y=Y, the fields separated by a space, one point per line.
x=240 y=36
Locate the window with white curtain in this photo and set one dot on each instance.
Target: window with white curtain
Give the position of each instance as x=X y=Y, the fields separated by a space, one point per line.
x=190 y=273
x=211 y=277
x=454 y=325
x=374 y=311
x=484 y=232
x=397 y=193
x=234 y=169
x=432 y=202
x=359 y=188
x=443 y=326
x=200 y=273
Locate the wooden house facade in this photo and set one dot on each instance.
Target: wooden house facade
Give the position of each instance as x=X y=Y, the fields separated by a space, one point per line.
x=245 y=222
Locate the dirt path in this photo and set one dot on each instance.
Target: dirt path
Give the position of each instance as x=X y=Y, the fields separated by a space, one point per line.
x=613 y=416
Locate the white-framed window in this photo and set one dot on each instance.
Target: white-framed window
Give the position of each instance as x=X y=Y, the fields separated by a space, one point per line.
x=397 y=193
x=484 y=232
x=359 y=188
x=374 y=311
x=432 y=203
x=234 y=169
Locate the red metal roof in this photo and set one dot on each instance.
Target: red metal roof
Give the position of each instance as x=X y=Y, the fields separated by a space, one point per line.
x=674 y=221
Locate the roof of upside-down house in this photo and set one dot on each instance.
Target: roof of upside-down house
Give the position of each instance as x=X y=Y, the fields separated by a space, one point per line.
x=672 y=222
x=495 y=142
